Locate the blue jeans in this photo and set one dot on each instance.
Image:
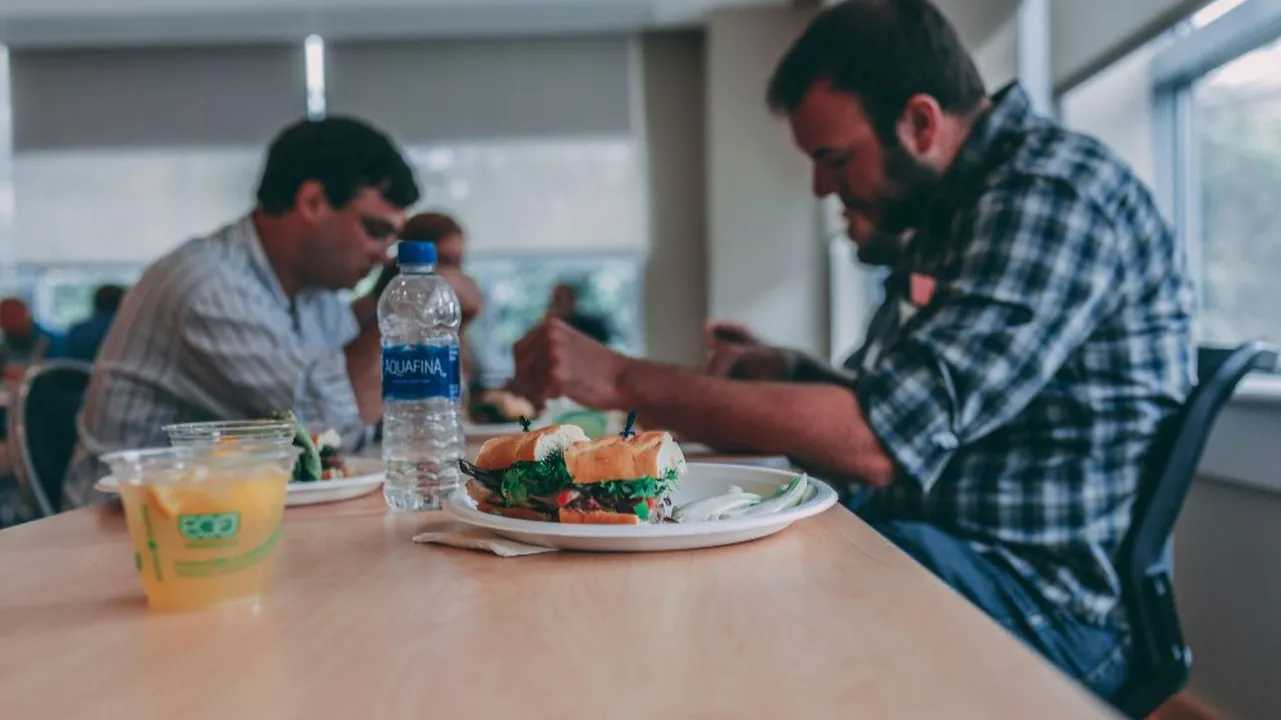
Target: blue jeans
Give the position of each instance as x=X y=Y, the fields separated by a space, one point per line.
x=1093 y=655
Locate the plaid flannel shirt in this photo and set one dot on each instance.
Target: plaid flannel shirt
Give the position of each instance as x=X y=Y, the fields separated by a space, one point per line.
x=1020 y=401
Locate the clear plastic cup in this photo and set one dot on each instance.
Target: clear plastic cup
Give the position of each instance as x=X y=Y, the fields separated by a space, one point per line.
x=279 y=432
x=204 y=521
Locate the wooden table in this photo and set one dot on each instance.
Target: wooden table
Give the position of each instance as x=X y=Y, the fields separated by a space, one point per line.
x=825 y=619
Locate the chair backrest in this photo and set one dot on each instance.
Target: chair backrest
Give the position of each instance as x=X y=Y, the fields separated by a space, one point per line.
x=42 y=427
x=1161 y=659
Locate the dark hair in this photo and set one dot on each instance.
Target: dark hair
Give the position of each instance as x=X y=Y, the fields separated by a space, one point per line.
x=343 y=154
x=430 y=227
x=883 y=51
x=106 y=299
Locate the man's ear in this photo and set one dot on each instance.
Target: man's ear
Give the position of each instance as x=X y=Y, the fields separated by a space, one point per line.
x=919 y=125
x=310 y=202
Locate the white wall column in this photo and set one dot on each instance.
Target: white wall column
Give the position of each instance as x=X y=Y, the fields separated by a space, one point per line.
x=674 y=109
x=1034 y=53
x=766 y=261
x=6 y=166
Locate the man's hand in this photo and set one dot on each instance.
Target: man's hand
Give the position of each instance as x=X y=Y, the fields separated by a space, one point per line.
x=733 y=351
x=555 y=360
x=469 y=296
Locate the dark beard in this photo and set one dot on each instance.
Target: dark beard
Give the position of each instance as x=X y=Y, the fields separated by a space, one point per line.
x=881 y=249
x=914 y=184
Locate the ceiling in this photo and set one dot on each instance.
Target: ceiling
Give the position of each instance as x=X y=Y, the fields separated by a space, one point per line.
x=26 y=23
x=71 y=23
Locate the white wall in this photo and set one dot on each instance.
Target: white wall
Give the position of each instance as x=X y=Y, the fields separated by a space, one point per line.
x=1116 y=107
x=997 y=57
x=1228 y=585
x=989 y=29
x=767 y=263
x=675 y=118
x=6 y=163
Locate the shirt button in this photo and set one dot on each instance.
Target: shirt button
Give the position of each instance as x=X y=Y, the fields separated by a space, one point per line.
x=945 y=440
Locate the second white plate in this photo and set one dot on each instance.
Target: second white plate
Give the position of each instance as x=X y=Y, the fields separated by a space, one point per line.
x=367 y=477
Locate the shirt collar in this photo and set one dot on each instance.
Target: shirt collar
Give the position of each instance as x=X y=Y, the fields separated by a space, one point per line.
x=989 y=143
x=244 y=232
x=989 y=140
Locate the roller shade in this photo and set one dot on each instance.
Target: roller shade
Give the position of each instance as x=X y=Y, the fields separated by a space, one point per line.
x=121 y=154
x=434 y=91
x=132 y=97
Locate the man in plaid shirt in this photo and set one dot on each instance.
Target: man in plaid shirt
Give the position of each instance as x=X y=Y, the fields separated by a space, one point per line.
x=1034 y=335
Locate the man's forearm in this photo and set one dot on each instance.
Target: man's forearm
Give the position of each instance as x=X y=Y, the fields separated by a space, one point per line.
x=363 y=356
x=820 y=425
x=366 y=311
x=363 y=369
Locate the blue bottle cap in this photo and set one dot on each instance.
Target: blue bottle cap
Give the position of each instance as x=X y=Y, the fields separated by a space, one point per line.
x=410 y=252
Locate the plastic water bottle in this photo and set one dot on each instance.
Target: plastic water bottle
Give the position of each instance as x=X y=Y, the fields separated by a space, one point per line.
x=419 y=317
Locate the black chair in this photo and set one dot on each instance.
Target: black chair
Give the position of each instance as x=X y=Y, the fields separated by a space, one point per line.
x=42 y=428
x=1160 y=659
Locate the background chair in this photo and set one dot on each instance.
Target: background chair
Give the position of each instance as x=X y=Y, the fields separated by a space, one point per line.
x=1160 y=659
x=42 y=428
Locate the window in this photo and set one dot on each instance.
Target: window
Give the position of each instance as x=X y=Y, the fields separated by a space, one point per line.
x=1236 y=128
x=1218 y=111
x=60 y=295
x=517 y=289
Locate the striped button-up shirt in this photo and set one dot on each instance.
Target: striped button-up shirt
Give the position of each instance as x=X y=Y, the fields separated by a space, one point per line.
x=208 y=333
x=1020 y=400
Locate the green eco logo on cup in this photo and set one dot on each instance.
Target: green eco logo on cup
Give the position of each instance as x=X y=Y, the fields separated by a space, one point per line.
x=211 y=526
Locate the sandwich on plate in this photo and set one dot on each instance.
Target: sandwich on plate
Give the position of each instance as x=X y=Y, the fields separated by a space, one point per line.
x=557 y=474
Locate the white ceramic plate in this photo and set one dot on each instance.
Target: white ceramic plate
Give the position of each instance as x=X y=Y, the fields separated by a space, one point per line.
x=702 y=480
x=367 y=477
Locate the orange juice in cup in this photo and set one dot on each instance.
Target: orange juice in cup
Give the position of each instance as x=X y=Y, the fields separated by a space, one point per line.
x=204 y=521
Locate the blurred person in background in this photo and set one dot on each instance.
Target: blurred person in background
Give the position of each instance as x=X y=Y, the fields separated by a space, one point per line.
x=26 y=342
x=483 y=404
x=563 y=305
x=85 y=337
x=249 y=321
x=447 y=235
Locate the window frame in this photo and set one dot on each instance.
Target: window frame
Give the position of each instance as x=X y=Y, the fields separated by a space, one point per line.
x=1190 y=56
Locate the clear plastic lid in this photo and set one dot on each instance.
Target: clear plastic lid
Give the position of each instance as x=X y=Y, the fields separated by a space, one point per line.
x=279 y=432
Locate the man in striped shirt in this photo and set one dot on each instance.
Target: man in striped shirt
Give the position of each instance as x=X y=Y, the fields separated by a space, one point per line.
x=248 y=321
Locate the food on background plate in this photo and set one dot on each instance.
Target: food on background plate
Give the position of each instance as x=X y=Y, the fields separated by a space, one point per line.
x=594 y=423
x=321 y=457
x=558 y=474
x=329 y=447
x=499 y=406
